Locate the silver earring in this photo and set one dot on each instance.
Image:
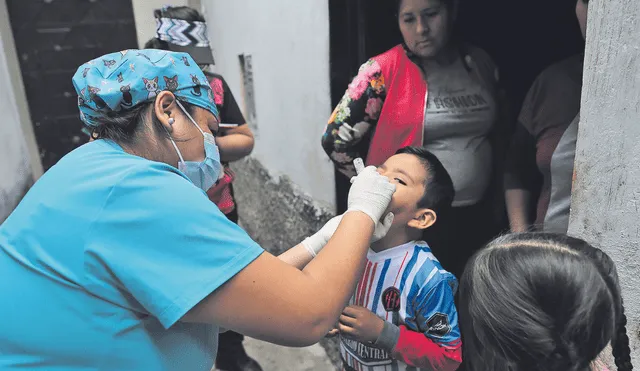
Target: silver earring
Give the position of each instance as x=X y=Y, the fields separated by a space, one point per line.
x=171 y=121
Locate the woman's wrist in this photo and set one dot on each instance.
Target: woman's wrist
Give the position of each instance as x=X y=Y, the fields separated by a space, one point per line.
x=360 y=215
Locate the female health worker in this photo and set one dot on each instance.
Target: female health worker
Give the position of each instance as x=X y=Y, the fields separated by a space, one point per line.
x=117 y=260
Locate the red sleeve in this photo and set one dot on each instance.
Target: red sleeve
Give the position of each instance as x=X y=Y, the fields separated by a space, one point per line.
x=417 y=350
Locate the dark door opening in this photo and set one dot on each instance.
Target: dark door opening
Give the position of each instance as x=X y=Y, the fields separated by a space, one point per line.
x=53 y=38
x=523 y=37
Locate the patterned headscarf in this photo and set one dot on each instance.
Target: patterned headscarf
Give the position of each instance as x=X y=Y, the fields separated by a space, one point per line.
x=184 y=36
x=119 y=81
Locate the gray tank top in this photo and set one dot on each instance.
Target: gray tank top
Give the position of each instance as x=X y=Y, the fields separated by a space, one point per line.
x=459 y=115
x=557 y=218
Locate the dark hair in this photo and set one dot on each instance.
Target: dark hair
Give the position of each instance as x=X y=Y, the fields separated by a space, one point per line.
x=179 y=12
x=438 y=186
x=534 y=301
x=155 y=43
x=176 y=12
x=124 y=126
x=398 y=3
x=454 y=31
x=607 y=268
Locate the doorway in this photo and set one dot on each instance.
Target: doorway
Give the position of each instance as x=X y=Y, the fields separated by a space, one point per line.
x=52 y=39
x=523 y=37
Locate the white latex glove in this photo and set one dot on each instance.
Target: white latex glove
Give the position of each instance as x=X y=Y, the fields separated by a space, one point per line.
x=317 y=241
x=370 y=193
x=382 y=227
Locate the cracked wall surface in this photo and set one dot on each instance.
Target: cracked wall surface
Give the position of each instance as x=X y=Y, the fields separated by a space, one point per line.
x=605 y=208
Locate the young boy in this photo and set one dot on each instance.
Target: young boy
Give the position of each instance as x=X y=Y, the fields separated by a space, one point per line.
x=402 y=315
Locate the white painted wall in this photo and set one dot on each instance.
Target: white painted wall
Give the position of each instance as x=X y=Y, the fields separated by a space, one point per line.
x=15 y=168
x=289 y=45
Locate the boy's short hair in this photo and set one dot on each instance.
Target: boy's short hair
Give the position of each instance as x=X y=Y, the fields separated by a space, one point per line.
x=438 y=186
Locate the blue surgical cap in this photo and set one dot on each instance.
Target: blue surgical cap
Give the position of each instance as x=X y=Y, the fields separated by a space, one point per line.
x=120 y=81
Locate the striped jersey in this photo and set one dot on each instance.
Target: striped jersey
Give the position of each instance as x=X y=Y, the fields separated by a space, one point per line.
x=407 y=286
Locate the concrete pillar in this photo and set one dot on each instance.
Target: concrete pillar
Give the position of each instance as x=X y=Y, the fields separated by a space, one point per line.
x=606 y=192
x=19 y=158
x=13 y=86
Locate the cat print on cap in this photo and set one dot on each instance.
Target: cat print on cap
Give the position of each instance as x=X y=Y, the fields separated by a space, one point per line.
x=172 y=83
x=109 y=62
x=81 y=101
x=151 y=86
x=127 y=98
x=197 y=91
x=93 y=97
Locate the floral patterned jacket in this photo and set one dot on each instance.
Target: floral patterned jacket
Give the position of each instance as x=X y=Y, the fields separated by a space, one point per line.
x=348 y=133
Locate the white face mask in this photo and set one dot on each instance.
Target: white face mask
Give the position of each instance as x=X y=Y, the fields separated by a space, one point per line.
x=206 y=173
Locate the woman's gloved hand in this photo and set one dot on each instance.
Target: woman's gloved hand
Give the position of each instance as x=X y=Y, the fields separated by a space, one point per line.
x=370 y=193
x=317 y=241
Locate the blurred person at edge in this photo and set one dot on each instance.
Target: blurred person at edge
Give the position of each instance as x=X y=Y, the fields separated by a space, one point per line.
x=539 y=168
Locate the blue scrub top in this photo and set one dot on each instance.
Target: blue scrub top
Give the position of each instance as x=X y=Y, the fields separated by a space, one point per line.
x=102 y=258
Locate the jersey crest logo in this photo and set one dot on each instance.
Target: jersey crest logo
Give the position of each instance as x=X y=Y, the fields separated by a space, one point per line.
x=438 y=325
x=391 y=299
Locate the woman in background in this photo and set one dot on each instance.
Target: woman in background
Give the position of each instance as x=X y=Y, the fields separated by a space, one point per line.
x=539 y=168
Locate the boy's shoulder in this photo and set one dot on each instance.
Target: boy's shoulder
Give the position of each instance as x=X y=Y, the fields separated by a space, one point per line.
x=430 y=297
x=429 y=274
x=427 y=259
x=418 y=268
